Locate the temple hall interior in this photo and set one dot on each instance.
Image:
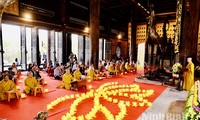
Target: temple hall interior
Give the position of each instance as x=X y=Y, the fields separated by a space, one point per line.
x=99 y=59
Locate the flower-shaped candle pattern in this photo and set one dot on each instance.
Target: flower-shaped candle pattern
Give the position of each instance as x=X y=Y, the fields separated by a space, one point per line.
x=108 y=92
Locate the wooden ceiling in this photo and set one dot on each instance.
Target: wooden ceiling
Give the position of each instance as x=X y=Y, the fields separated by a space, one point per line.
x=117 y=13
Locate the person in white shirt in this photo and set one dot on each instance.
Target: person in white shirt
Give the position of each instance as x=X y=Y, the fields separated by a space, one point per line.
x=58 y=73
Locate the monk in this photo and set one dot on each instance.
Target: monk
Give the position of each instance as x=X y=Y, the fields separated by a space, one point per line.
x=66 y=80
x=122 y=67
x=30 y=82
x=91 y=75
x=6 y=85
x=77 y=74
x=111 y=69
x=188 y=75
x=127 y=67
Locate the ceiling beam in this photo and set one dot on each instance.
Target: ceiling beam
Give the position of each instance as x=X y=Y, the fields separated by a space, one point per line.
x=143 y=10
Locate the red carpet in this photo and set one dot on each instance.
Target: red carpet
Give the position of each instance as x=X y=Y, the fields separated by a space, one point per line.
x=27 y=108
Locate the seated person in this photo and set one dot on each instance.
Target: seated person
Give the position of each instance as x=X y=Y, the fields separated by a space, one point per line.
x=66 y=80
x=37 y=75
x=6 y=85
x=14 y=68
x=78 y=75
x=50 y=70
x=58 y=73
x=111 y=69
x=11 y=75
x=122 y=67
x=83 y=68
x=91 y=75
x=30 y=82
x=127 y=67
x=19 y=74
x=30 y=66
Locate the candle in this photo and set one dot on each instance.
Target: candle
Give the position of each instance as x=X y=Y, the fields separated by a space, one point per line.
x=88 y=80
x=46 y=90
x=90 y=86
x=45 y=82
x=20 y=81
x=23 y=95
x=18 y=87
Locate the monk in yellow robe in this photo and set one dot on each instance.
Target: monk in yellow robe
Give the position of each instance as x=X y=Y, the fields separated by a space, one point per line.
x=30 y=82
x=122 y=67
x=5 y=86
x=127 y=67
x=91 y=75
x=77 y=74
x=111 y=69
x=66 y=80
x=189 y=75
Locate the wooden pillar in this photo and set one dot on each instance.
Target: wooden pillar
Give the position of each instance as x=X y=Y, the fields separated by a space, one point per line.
x=133 y=45
x=64 y=19
x=1 y=50
x=94 y=31
x=64 y=38
x=189 y=30
x=68 y=46
x=38 y=50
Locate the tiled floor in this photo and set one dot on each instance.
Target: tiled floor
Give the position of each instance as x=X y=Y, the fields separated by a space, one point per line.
x=165 y=103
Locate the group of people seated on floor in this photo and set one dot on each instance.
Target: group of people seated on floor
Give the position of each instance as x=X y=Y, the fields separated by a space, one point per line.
x=66 y=73
x=8 y=79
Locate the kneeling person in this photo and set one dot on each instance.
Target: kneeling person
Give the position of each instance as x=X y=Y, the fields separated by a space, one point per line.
x=78 y=75
x=66 y=80
x=30 y=82
x=6 y=85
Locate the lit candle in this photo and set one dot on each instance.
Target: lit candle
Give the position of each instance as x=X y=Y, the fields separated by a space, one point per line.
x=18 y=87
x=45 y=82
x=20 y=81
x=90 y=86
x=88 y=80
x=23 y=95
x=46 y=90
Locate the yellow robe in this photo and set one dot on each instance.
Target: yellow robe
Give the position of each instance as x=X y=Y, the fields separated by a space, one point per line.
x=6 y=86
x=91 y=74
x=122 y=68
x=66 y=80
x=111 y=69
x=30 y=83
x=128 y=67
x=77 y=75
x=189 y=77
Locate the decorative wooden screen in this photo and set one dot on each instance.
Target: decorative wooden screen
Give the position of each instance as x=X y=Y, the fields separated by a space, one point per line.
x=141 y=31
x=170 y=29
x=141 y=34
